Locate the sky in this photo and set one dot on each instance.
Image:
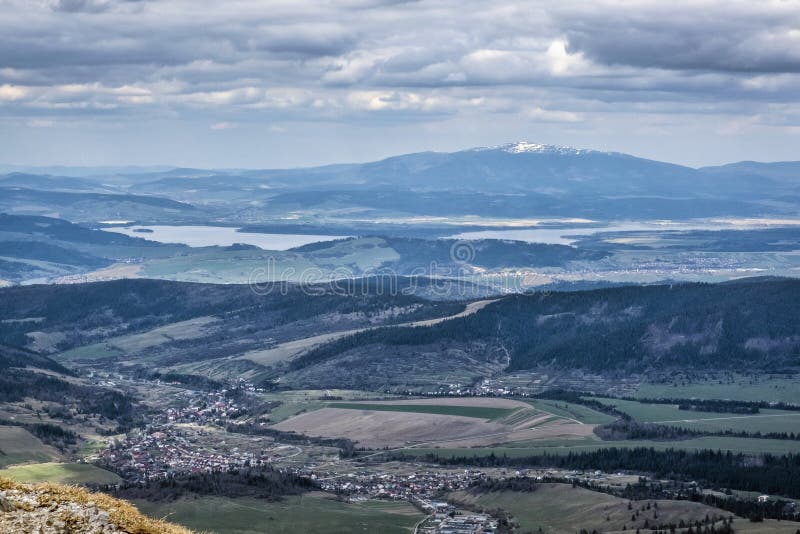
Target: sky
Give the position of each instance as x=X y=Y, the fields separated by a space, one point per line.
x=274 y=83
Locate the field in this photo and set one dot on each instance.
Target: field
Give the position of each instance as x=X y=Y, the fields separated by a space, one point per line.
x=18 y=446
x=592 y=443
x=764 y=421
x=297 y=401
x=778 y=388
x=96 y=351
x=572 y=411
x=309 y=514
x=478 y=412
x=560 y=508
x=60 y=473
x=190 y=329
x=469 y=422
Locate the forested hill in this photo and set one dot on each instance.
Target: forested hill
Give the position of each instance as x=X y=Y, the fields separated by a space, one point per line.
x=11 y=356
x=746 y=324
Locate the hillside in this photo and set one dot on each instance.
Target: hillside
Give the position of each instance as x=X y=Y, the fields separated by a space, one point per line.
x=521 y=179
x=53 y=508
x=750 y=324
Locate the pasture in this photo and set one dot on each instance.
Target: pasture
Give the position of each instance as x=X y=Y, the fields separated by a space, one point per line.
x=478 y=412
x=770 y=388
x=18 y=446
x=562 y=509
x=95 y=351
x=669 y=414
x=60 y=473
x=314 y=513
x=568 y=410
x=566 y=445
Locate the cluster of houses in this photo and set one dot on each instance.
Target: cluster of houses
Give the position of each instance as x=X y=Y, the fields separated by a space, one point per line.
x=158 y=451
x=418 y=487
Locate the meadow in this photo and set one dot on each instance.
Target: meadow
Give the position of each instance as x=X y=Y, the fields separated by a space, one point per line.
x=568 y=445
x=60 y=473
x=18 y=446
x=569 y=410
x=314 y=513
x=478 y=412
x=562 y=509
x=770 y=388
x=765 y=421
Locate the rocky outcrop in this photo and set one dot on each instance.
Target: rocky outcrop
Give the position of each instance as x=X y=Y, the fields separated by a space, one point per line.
x=57 y=509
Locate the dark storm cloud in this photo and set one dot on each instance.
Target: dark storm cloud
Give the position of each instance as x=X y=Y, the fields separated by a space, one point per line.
x=763 y=38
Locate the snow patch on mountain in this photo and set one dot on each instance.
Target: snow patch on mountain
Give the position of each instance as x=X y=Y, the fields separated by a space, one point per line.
x=525 y=147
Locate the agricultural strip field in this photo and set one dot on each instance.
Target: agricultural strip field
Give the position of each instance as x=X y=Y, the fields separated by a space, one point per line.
x=568 y=410
x=566 y=446
x=467 y=422
x=60 y=473
x=669 y=414
x=479 y=412
x=562 y=509
x=310 y=514
x=18 y=446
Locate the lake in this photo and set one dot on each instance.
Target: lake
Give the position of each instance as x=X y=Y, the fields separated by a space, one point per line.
x=223 y=236
x=567 y=236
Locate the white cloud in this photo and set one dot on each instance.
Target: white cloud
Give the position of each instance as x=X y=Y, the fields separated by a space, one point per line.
x=224 y=125
x=12 y=92
x=383 y=62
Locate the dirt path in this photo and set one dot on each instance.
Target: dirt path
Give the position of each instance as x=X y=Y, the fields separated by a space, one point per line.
x=728 y=418
x=293 y=349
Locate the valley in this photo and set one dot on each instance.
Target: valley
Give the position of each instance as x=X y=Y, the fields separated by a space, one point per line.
x=381 y=415
x=563 y=351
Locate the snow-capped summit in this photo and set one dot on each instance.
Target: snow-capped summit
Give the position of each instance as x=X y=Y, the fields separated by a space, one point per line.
x=525 y=147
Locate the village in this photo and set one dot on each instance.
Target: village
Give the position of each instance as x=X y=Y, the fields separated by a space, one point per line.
x=191 y=434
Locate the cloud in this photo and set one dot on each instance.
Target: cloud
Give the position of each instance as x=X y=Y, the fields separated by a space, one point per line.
x=12 y=92
x=547 y=62
x=41 y=123
x=224 y=125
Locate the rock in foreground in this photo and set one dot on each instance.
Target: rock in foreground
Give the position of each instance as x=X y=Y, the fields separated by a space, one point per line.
x=57 y=509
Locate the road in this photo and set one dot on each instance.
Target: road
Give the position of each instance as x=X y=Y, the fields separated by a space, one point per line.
x=728 y=418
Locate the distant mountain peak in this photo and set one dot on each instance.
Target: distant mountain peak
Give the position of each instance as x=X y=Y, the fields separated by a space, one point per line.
x=526 y=147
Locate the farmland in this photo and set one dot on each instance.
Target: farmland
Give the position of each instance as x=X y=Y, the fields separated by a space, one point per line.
x=568 y=410
x=560 y=508
x=434 y=422
x=732 y=386
x=61 y=473
x=478 y=412
x=18 y=446
x=592 y=443
x=669 y=414
x=311 y=514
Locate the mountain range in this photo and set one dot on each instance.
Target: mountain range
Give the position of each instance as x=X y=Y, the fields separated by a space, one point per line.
x=514 y=180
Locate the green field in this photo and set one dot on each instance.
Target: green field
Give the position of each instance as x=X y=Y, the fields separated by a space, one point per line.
x=479 y=412
x=738 y=387
x=307 y=400
x=18 y=446
x=60 y=473
x=562 y=509
x=96 y=351
x=566 y=446
x=583 y=414
x=764 y=421
x=309 y=514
